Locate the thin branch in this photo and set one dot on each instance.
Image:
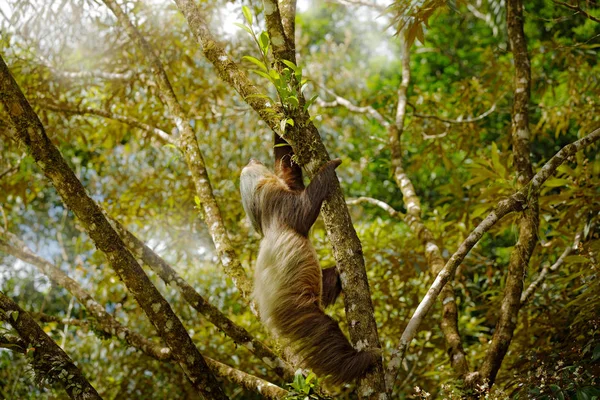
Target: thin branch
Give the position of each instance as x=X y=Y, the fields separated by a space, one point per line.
x=49 y=361
x=102 y=320
x=516 y=202
x=194 y=159
x=533 y=286
x=164 y=136
x=31 y=134
x=455 y=121
x=376 y=202
x=111 y=76
x=43 y=317
x=340 y=101
x=578 y=9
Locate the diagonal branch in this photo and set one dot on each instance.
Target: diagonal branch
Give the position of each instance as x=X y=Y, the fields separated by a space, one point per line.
x=31 y=134
x=194 y=158
x=282 y=49
x=578 y=9
x=49 y=360
x=516 y=202
x=311 y=154
x=376 y=202
x=455 y=121
x=527 y=294
x=104 y=321
x=240 y=335
x=433 y=254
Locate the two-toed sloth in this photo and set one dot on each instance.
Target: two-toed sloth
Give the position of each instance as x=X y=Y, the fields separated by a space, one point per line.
x=288 y=282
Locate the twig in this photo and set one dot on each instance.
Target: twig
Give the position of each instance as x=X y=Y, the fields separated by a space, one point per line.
x=528 y=293
x=164 y=136
x=578 y=9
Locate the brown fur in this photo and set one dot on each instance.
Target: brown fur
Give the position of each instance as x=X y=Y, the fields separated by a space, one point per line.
x=288 y=282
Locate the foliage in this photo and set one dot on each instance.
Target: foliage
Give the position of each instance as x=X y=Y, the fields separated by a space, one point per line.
x=461 y=68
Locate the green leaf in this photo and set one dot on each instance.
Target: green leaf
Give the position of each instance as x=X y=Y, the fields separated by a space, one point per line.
x=596 y=353
x=293 y=100
x=263 y=41
x=290 y=122
x=264 y=75
x=557 y=182
x=310 y=102
x=290 y=64
x=497 y=165
x=197 y=201
x=247 y=14
x=577 y=260
x=244 y=27
x=256 y=61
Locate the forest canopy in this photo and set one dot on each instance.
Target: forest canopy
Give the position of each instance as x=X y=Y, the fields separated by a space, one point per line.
x=462 y=224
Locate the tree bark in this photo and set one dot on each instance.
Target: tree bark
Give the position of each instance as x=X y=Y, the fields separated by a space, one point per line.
x=194 y=159
x=449 y=323
x=50 y=362
x=311 y=154
x=529 y=220
x=239 y=335
x=31 y=134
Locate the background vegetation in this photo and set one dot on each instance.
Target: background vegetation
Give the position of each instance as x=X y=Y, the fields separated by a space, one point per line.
x=80 y=70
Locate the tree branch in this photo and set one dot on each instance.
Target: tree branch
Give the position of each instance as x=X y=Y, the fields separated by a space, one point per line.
x=311 y=154
x=455 y=121
x=433 y=254
x=516 y=202
x=279 y=40
x=578 y=9
x=49 y=360
x=194 y=158
x=288 y=19
x=529 y=221
x=533 y=286
x=168 y=274
x=340 y=101
x=102 y=320
x=31 y=134
x=381 y=204
x=164 y=136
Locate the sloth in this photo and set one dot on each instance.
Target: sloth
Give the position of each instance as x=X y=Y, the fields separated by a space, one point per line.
x=289 y=287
